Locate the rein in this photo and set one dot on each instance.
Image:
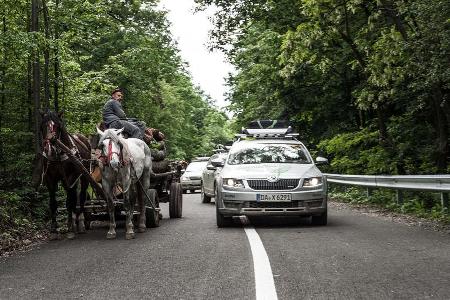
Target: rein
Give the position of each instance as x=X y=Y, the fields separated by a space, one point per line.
x=49 y=150
x=124 y=157
x=111 y=153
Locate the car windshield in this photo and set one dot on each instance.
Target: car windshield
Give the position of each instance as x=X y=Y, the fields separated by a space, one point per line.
x=269 y=153
x=196 y=166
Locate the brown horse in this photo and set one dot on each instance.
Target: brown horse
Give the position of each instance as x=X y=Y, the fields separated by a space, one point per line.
x=58 y=167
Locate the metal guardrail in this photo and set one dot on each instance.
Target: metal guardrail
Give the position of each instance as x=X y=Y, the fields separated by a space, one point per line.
x=430 y=183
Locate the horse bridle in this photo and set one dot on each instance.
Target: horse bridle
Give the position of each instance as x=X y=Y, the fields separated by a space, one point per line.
x=51 y=135
x=106 y=159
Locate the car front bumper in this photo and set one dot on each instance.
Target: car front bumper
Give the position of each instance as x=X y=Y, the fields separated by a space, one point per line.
x=302 y=203
x=191 y=184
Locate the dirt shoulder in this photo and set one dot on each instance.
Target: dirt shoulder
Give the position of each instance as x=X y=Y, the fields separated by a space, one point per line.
x=374 y=211
x=12 y=243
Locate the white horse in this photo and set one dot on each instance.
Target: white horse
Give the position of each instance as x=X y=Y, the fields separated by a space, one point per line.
x=126 y=162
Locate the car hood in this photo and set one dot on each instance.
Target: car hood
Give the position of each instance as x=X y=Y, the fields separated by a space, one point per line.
x=262 y=171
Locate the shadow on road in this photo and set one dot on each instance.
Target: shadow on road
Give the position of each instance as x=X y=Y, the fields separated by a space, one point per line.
x=288 y=222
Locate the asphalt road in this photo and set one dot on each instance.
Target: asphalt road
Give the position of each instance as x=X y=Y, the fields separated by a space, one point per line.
x=355 y=257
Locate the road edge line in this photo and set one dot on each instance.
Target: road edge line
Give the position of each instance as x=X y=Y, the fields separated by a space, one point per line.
x=264 y=282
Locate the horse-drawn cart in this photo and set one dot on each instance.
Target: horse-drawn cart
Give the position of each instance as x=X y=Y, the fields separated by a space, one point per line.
x=165 y=187
x=126 y=178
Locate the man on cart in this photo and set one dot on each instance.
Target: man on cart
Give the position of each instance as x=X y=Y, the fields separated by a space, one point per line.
x=115 y=117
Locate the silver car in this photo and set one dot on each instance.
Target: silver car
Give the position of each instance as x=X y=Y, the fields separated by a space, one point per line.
x=192 y=177
x=270 y=176
x=209 y=175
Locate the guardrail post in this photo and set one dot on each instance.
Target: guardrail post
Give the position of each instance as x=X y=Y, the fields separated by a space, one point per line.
x=399 y=197
x=444 y=201
x=369 y=192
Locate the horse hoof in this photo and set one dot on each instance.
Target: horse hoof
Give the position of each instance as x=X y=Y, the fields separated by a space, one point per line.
x=54 y=236
x=141 y=229
x=129 y=236
x=81 y=229
x=70 y=235
x=111 y=235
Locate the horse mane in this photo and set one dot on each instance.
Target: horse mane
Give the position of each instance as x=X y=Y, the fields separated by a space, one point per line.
x=50 y=115
x=111 y=133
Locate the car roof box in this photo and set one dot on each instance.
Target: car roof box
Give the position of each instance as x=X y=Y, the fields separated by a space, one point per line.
x=268 y=129
x=268 y=124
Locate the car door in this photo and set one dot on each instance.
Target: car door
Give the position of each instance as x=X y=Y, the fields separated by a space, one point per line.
x=208 y=183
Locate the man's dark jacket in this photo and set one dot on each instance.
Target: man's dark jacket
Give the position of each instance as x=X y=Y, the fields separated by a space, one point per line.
x=112 y=111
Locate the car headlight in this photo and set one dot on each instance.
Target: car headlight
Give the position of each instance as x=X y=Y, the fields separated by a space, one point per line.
x=313 y=181
x=232 y=182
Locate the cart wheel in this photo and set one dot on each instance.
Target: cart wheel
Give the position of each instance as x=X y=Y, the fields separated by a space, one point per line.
x=175 y=200
x=151 y=215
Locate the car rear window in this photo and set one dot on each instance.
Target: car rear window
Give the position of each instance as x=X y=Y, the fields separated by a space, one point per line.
x=196 y=166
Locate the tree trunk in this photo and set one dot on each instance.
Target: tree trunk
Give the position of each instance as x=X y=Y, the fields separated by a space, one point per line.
x=3 y=89
x=384 y=139
x=357 y=54
x=36 y=76
x=56 y=63
x=441 y=126
x=391 y=12
x=46 y=57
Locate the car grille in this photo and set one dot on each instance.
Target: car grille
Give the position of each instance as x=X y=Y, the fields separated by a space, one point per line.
x=265 y=185
x=195 y=178
x=317 y=203
x=231 y=204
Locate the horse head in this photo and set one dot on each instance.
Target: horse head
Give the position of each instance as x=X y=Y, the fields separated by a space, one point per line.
x=50 y=127
x=112 y=147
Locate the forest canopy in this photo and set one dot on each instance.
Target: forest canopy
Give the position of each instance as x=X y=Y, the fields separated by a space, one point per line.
x=69 y=55
x=367 y=83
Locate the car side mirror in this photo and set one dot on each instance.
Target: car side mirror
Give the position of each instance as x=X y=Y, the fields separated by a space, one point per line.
x=321 y=160
x=217 y=163
x=211 y=167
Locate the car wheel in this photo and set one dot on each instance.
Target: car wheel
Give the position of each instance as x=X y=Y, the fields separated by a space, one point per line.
x=204 y=197
x=320 y=220
x=221 y=220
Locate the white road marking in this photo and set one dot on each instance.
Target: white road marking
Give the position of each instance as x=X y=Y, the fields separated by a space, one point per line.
x=264 y=283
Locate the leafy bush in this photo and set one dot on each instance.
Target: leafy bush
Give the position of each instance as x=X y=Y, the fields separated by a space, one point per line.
x=419 y=204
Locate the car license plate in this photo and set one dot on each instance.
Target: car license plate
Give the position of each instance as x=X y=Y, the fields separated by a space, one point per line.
x=273 y=197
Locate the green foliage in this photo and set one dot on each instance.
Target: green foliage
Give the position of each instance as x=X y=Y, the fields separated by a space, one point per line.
x=418 y=204
x=365 y=81
x=93 y=47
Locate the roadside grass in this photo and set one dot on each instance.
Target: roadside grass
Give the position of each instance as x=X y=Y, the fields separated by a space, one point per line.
x=24 y=218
